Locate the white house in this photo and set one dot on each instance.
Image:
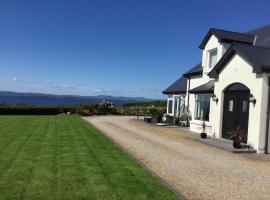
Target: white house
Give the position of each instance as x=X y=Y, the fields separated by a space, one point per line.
x=229 y=88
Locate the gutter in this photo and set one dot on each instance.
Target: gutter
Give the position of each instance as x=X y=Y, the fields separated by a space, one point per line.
x=267 y=120
x=188 y=75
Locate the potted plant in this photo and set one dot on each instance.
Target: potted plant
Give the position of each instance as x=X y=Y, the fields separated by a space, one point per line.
x=237 y=136
x=203 y=133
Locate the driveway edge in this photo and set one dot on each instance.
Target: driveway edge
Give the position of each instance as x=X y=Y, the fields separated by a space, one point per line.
x=164 y=182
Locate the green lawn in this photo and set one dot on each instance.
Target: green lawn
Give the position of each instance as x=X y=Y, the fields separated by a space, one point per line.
x=64 y=157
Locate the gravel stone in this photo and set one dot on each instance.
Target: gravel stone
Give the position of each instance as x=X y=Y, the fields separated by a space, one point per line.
x=194 y=169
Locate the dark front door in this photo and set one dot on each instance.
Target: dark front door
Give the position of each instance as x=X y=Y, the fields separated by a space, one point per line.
x=235 y=113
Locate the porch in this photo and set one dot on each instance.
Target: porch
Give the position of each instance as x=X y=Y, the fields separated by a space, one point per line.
x=219 y=143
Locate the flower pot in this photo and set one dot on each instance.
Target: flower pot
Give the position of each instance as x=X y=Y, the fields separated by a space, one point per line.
x=203 y=135
x=237 y=144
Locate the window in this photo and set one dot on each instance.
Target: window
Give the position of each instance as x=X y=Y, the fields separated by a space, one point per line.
x=202 y=107
x=170 y=106
x=231 y=106
x=245 y=106
x=212 y=58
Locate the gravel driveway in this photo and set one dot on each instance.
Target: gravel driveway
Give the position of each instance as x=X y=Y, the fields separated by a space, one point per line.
x=196 y=170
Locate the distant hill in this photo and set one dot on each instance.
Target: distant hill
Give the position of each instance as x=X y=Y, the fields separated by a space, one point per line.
x=8 y=97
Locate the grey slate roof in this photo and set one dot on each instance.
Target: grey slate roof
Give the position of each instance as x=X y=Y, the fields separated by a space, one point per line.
x=262 y=36
x=196 y=70
x=228 y=36
x=178 y=87
x=203 y=89
x=258 y=57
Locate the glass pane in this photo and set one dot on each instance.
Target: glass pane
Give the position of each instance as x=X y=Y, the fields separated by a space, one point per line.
x=213 y=58
x=202 y=107
x=231 y=106
x=170 y=103
x=245 y=106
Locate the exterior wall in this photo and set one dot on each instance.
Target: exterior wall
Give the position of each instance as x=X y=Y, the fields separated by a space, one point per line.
x=237 y=70
x=213 y=43
x=264 y=102
x=196 y=125
x=225 y=47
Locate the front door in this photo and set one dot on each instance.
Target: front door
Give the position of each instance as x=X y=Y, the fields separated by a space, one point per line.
x=235 y=113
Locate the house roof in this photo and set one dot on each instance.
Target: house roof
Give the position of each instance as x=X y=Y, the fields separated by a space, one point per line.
x=228 y=36
x=178 y=87
x=196 y=70
x=203 y=89
x=262 y=36
x=253 y=46
x=258 y=57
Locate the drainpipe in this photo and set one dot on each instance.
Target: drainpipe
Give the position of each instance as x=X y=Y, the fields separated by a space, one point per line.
x=188 y=101
x=267 y=120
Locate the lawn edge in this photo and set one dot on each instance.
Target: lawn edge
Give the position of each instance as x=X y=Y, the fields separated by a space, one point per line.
x=155 y=175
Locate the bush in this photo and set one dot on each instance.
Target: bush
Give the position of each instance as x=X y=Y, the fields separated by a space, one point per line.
x=33 y=110
x=104 y=108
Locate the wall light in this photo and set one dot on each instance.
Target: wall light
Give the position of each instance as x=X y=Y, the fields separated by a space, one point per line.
x=214 y=98
x=252 y=99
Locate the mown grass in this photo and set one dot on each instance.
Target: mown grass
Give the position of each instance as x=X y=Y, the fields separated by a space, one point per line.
x=64 y=157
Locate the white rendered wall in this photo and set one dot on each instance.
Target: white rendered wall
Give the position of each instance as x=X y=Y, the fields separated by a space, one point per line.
x=195 y=81
x=263 y=113
x=196 y=125
x=213 y=43
x=237 y=70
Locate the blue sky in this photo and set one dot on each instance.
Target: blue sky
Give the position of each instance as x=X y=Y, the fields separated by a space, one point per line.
x=111 y=47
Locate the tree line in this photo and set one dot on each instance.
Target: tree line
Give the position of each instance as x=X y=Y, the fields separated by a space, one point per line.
x=103 y=108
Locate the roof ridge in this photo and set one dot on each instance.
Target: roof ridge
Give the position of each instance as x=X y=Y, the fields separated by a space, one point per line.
x=253 y=46
x=255 y=29
x=231 y=31
x=228 y=36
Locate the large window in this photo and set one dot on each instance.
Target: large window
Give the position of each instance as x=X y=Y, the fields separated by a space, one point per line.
x=202 y=107
x=212 y=58
x=170 y=106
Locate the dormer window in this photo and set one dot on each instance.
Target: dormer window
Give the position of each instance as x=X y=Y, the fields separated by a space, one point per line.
x=212 y=58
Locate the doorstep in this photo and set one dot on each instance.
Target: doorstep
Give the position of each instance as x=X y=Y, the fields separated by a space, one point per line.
x=219 y=143
x=224 y=144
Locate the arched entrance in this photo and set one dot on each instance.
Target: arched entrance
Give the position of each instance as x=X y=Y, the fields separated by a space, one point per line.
x=235 y=109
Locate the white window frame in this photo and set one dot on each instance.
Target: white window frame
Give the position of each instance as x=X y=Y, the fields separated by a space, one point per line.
x=209 y=58
x=195 y=108
x=180 y=101
x=170 y=99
